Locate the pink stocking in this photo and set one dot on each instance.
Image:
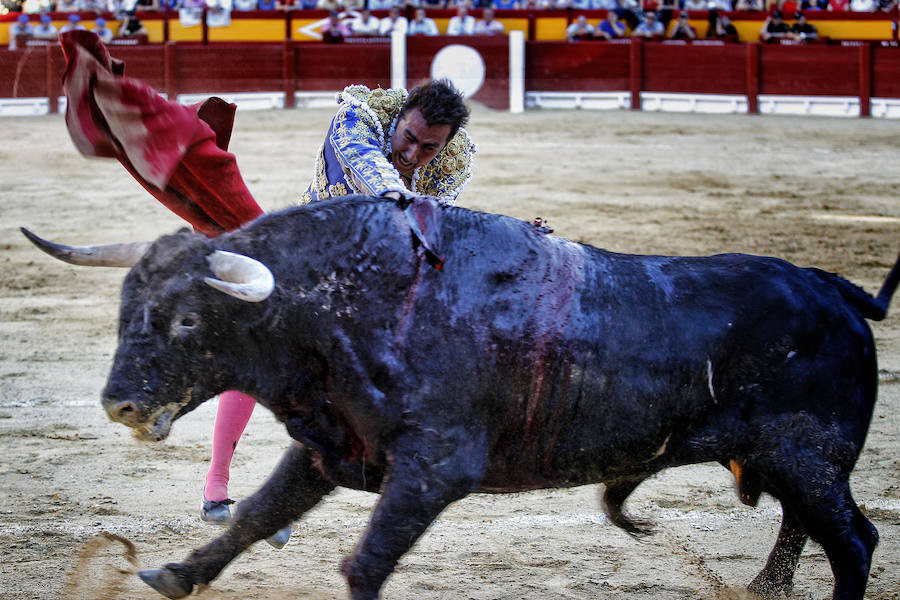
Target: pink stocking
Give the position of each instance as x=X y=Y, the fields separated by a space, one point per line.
x=232 y=416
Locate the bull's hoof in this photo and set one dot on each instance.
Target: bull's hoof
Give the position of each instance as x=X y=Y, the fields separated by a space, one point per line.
x=166 y=582
x=765 y=585
x=280 y=538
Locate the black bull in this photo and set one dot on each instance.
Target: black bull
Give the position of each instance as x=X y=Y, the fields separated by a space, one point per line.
x=527 y=361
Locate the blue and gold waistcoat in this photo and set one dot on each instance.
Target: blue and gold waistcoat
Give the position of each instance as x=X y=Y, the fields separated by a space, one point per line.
x=355 y=158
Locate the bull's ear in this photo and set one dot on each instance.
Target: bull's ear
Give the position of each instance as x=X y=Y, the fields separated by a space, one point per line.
x=240 y=276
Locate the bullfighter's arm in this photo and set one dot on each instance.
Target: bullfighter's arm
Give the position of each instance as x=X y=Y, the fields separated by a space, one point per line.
x=358 y=147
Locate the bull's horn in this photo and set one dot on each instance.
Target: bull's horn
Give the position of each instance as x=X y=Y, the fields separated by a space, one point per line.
x=240 y=276
x=110 y=255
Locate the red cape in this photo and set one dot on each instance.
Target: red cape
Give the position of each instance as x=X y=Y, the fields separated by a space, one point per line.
x=177 y=153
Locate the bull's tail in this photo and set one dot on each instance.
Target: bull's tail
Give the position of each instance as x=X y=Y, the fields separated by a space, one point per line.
x=874 y=308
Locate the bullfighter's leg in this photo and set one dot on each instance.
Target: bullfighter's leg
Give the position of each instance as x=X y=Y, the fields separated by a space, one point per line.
x=614 y=495
x=424 y=478
x=293 y=488
x=777 y=577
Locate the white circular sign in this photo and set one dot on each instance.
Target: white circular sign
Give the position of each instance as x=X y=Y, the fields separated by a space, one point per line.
x=460 y=64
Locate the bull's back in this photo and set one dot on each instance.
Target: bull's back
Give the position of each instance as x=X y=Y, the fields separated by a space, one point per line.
x=598 y=364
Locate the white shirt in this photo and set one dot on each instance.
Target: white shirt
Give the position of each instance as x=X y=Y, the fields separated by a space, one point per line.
x=105 y=34
x=485 y=28
x=427 y=27
x=388 y=26
x=572 y=30
x=70 y=27
x=363 y=26
x=459 y=26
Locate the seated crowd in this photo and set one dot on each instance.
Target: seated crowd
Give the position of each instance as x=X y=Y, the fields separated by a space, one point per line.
x=620 y=6
x=651 y=19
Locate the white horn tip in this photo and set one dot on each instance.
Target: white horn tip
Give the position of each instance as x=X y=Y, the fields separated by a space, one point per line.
x=240 y=276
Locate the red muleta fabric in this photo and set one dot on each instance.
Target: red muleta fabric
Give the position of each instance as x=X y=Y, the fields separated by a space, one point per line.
x=177 y=153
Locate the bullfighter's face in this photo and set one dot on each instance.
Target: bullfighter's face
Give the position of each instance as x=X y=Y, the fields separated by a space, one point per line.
x=415 y=143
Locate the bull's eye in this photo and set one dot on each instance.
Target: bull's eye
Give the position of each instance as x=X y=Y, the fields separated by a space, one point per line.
x=185 y=324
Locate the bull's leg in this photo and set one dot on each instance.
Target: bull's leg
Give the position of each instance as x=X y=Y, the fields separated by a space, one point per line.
x=293 y=488
x=806 y=465
x=847 y=536
x=614 y=495
x=423 y=479
x=777 y=577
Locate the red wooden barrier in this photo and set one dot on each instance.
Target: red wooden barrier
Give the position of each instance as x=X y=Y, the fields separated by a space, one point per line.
x=494 y=50
x=590 y=67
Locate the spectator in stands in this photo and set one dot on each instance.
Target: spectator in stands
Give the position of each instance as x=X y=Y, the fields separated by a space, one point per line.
x=365 y=25
x=335 y=30
x=395 y=21
x=21 y=28
x=46 y=30
x=695 y=5
x=665 y=10
x=580 y=29
x=651 y=27
x=245 y=4
x=628 y=12
x=97 y=6
x=506 y=4
x=609 y=28
x=683 y=30
x=488 y=25
x=803 y=31
x=103 y=32
x=381 y=4
x=750 y=5
x=154 y=4
x=836 y=5
x=774 y=28
x=73 y=24
x=719 y=5
x=462 y=23
x=885 y=5
x=68 y=6
x=817 y=4
x=131 y=26
x=421 y=24
x=721 y=27
x=862 y=5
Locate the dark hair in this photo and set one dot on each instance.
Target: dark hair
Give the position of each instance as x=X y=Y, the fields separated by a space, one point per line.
x=440 y=104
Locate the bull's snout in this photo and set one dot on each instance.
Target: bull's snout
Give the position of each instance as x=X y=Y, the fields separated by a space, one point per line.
x=147 y=423
x=123 y=411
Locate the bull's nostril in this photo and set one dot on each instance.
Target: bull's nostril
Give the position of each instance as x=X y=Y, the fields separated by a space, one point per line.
x=123 y=411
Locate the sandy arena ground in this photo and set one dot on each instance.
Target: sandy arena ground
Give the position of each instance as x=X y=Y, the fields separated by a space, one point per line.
x=818 y=192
